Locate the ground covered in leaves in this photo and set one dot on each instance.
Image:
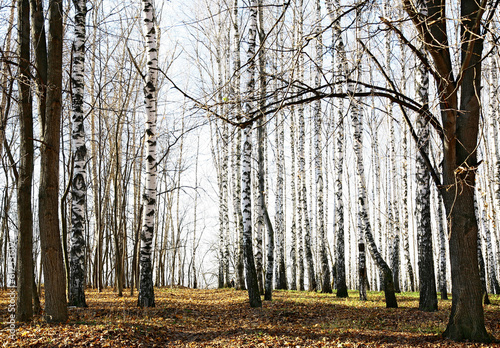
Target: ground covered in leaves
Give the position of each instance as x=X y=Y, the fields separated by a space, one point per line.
x=222 y=318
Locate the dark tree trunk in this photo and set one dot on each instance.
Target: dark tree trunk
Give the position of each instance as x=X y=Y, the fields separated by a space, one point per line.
x=50 y=239
x=460 y=122
x=24 y=309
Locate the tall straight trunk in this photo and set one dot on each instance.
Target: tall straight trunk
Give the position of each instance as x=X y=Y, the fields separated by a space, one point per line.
x=221 y=232
x=326 y=286
x=238 y=215
x=393 y=211
x=427 y=283
x=224 y=206
x=494 y=126
x=362 y=217
x=405 y=234
x=339 y=63
x=24 y=308
x=76 y=295
x=301 y=153
x=405 y=225
x=281 y=281
x=260 y=175
x=50 y=239
x=195 y=218
x=146 y=296
x=311 y=276
x=223 y=192
x=246 y=187
x=293 y=227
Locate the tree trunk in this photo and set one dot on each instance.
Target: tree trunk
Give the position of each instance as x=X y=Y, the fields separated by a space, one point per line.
x=281 y=282
x=364 y=228
x=293 y=228
x=146 y=292
x=50 y=239
x=246 y=187
x=334 y=11
x=460 y=122
x=326 y=286
x=442 y=248
x=251 y=274
x=76 y=295
x=427 y=280
x=238 y=216
x=24 y=308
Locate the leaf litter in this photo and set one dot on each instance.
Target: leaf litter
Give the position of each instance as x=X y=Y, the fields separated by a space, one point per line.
x=222 y=318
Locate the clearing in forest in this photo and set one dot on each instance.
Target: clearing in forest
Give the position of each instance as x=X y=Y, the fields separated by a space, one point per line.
x=222 y=318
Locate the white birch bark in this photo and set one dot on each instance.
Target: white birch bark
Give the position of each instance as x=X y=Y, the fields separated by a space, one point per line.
x=76 y=295
x=340 y=73
x=362 y=217
x=260 y=190
x=246 y=199
x=301 y=182
x=480 y=258
x=393 y=212
x=326 y=286
x=364 y=227
x=427 y=283
x=339 y=66
x=225 y=214
x=146 y=292
x=281 y=282
x=442 y=248
x=236 y=149
x=494 y=127
x=293 y=228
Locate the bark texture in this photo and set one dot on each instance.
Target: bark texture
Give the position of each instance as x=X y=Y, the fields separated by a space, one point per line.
x=48 y=195
x=24 y=308
x=146 y=296
x=76 y=296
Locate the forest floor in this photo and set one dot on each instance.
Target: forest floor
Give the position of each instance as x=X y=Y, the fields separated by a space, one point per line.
x=222 y=318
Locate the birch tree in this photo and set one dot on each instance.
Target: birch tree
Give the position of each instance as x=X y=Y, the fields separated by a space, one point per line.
x=76 y=296
x=340 y=65
x=146 y=296
x=301 y=154
x=326 y=286
x=427 y=284
x=281 y=282
x=293 y=228
x=246 y=187
x=238 y=215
